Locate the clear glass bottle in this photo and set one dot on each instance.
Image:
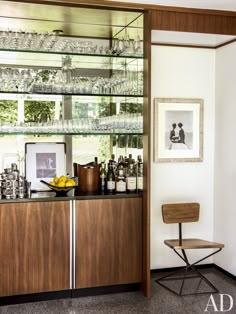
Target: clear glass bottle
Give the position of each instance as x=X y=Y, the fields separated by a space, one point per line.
x=103 y=177
x=111 y=179
x=120 y=181
x=140 y=177
x=131 y=179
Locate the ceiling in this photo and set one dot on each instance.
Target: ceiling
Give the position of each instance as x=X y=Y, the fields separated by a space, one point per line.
x=225 y=5
x=190 y=39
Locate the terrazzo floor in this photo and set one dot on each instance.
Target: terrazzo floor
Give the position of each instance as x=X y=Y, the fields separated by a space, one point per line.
x=161 y=302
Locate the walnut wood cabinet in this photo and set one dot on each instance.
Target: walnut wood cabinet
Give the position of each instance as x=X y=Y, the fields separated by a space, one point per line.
x=108 y=242
x=38 y=241
x=34 y=247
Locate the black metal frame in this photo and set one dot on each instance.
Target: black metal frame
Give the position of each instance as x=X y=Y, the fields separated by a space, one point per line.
x=186 y=269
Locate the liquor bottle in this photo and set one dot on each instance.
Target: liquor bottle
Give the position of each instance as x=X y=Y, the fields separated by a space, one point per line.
x=113 y=162
x=139 y=158
x=121 y=164
x=140 y=177
x=126 y=165
x=130 y=160
x=120 y=181
x=103 y=177
x=111 y=180
x=131 y=179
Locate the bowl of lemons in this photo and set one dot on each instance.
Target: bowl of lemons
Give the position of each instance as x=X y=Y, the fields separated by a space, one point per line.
x=61 y=185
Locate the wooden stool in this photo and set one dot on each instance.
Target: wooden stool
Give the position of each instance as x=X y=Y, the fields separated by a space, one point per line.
x=181 y=213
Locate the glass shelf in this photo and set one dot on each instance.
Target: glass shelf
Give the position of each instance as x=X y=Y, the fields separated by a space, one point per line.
x=73 y=94
x=55 y=61
x=119 y=56
x=125 y=132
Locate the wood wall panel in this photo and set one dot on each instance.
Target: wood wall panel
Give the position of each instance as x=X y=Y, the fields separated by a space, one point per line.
x=34 y=247
x=193 y=22
x=108 y=242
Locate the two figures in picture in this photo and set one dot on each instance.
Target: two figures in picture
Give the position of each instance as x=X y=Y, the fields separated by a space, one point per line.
x=177 y=135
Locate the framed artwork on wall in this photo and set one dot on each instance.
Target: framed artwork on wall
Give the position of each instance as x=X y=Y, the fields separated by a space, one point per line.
x=178 y=129
x=44 y=161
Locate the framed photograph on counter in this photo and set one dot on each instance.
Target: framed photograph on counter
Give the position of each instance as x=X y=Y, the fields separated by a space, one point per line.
x=44 y=161
x=178 y=129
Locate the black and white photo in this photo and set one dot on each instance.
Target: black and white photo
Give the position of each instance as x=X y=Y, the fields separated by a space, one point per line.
x=45 y=165
x=43 y=161
x=178 y=129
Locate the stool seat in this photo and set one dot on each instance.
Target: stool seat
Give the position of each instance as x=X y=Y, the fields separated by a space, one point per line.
x=192 y=244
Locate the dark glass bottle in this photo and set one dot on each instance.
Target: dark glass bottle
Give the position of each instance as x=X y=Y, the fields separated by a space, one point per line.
x=121 y=164
x=111 y=180
x=126 y=165
x=130 y=160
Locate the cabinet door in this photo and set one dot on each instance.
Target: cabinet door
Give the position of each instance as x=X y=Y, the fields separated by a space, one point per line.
x=34 y=247
x=108 y=242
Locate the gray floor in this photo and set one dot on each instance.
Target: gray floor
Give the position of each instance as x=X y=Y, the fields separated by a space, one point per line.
x=161 y=302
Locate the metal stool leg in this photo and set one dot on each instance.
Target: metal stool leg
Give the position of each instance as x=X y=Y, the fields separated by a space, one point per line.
x=188 y=266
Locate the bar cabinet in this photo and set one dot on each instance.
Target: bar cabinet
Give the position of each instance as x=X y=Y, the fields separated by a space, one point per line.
x=92 y=54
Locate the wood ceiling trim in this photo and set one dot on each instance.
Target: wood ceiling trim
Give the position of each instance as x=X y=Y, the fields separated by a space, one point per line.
x=195 y=23
x=125 y=5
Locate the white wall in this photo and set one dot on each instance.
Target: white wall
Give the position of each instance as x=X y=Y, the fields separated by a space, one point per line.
x=185 y=73
x=225 y=157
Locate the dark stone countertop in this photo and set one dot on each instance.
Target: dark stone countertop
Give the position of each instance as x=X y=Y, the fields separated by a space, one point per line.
x=49 y=196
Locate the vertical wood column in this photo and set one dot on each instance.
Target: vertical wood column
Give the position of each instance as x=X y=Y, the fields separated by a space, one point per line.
x=146 y=155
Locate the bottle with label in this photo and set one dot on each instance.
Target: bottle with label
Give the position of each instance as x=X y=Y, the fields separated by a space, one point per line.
x=131 y=179
x=130 y=160
x=140 y=177
x=111 y=180
x=103 y=177
x=113 y=162
x=126 y=165
x=121 y=161
x=120 y=181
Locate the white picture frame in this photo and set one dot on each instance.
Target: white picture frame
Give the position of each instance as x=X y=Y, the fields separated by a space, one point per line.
x=43 y=161
x=178 y=130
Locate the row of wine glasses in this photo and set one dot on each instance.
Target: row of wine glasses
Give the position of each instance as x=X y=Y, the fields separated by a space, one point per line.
x=65 y=81
x=55 y=42
x=122 y=123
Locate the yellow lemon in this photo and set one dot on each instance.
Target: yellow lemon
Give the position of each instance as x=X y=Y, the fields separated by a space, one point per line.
x=52 y=183
x=56 y=180
x=63 y=179
x=61 y=184
x=70 y=182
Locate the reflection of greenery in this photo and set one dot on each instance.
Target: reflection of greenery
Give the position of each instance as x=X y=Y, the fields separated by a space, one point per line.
x=129 y=141
x=8 y=111
x=131 y=108
x=104 y=148
x=39 y=111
